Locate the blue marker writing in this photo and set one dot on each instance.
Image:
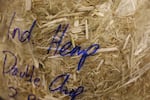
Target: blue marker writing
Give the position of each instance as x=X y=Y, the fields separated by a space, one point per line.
x=14 y=92
x=26 y=35
x=73 y=93
x=55 y=41
x=65 y=49
x=31 y=97
x=14 y=71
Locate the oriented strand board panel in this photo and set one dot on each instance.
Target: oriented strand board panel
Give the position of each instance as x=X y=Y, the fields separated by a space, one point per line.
x=74 y=49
